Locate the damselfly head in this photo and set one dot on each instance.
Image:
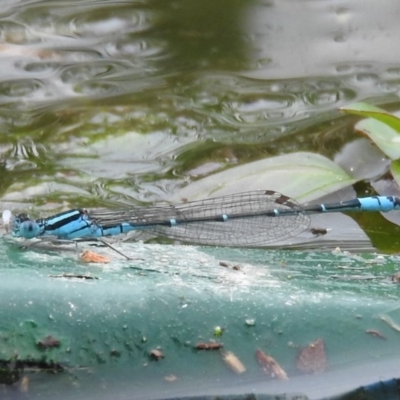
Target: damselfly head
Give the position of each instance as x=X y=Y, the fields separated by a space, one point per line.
x=20 y=225
x=28 y=229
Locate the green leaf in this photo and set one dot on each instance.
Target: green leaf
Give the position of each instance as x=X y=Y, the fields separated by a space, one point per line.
x=395 y=170
x=367 y=110
x=303 y=176
x=385 y=137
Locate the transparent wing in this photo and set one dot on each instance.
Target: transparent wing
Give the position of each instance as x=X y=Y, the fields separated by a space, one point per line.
x=251 y=219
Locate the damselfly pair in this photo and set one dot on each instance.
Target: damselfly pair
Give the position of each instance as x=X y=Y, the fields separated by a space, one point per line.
x=250 y=219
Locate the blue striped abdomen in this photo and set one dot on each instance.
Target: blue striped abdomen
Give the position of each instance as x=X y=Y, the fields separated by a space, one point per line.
x=379 y=203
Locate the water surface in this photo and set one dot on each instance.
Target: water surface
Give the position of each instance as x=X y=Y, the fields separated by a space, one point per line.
x=105 y=102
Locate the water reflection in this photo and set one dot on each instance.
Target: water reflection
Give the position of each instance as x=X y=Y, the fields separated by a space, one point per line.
x=130 y=101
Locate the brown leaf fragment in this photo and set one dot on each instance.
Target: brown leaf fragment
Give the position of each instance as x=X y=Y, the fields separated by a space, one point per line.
x=48 y=342
x=373 y=332
x=157 y=354
x=92 y=257
x=209 y=346
x=312 y=358
x=233 y=362
x=270 y=366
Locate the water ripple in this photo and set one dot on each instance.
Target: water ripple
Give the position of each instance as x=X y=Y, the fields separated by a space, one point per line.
x=78 y=51
x=20 y=88
x=109 y=21
x=133 y=99
x=250 y=104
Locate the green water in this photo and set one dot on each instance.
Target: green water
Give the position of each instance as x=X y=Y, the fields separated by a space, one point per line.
x=173 y=297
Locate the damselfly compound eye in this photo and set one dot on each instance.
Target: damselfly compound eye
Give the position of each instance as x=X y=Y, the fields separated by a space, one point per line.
x=29 y=229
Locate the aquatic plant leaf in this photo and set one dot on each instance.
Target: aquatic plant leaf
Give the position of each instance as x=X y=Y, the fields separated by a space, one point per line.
x=385 y=137
x=368 y=110
x=395 y=170
x=382 y=127
x=304 y=176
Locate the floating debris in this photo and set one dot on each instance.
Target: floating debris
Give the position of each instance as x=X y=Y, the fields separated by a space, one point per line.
x=11 y=370
x=270 y=366
x=115 y=353
x=373 y=332
x=233 y=362
x=351 y=268
x=319 y=231
x=339 y=251
x=224 y=264
x=355 y=277
x=41 y=365
x=157 y=354
x=48 y=342
x=390 y=322
x=209 y=346
x=24 y=384
x=312 y=359
x=92 y=257
x=396 y=277
x=218 y=331
x=73 y=276
x=170 y=378
x=250 y=322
